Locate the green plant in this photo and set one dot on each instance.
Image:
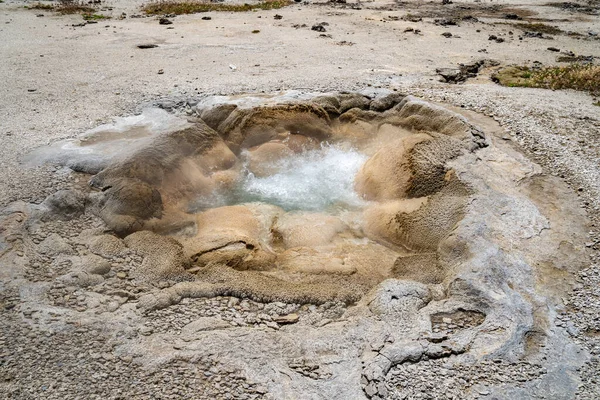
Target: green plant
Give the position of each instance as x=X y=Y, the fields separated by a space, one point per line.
x=198 y=6
x=95 y=17
x=584 y=77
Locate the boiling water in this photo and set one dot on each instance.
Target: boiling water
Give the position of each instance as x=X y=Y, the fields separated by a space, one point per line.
x=314 y=180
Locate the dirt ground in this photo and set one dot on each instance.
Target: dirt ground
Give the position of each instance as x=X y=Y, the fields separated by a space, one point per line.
x=61 y=77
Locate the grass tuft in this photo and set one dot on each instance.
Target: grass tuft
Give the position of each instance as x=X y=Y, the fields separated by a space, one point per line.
x=584 y=77
x=198 y=6
x=95 y=17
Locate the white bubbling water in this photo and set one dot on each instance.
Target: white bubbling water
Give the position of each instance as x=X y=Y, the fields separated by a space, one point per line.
x=313 y=180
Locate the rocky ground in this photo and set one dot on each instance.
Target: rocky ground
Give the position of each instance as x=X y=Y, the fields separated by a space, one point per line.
x=59 y=80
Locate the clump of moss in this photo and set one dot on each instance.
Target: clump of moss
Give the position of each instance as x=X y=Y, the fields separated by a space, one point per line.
x=194 y=6
x=39 y=6
x=95 y=17
x=584 y=77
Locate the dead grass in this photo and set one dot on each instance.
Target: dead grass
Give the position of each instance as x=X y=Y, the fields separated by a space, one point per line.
x=40 y=6
x=64 y=7
x=191 y=6
x=73 y=7
x=539 y=27
x=584 y=77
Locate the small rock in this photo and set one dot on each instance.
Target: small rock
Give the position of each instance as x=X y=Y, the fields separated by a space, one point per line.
x=165 y=21
x=94 y=264
x=161 y=71
x=234 y=301
x=204 y=324
x=318 y=28
x=272 y=325
x=370 y=390
x=287 y=319
x=206 y=18
x=121 y=275
x=437 y=337
x=553 y=49
x=512 y=16
x=447 y=34
x=146 y=46
x=146 y=331
x=260 y=389
x=277 y=16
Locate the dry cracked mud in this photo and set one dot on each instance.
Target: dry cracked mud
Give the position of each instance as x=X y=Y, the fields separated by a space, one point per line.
x=368 y=233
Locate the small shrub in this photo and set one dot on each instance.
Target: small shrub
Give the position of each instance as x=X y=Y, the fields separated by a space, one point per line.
x=198 y=6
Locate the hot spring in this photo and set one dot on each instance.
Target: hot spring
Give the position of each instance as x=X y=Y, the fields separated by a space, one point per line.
x=433 y=238
x=321 y=196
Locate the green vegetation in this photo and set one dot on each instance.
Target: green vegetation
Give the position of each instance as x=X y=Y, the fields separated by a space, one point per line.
x=193 y=6
x=584 y=77
x=95 y=17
